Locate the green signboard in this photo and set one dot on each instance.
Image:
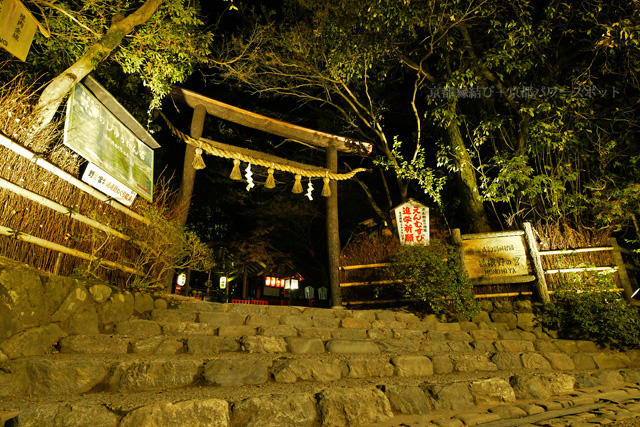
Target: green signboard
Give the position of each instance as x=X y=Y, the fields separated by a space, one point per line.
x=97 y=135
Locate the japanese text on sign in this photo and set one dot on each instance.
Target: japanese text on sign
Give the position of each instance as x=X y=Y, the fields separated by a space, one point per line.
x=17 y=28
x=495 y=257
x=101 y=180
x=412 y=220
x=97 y=135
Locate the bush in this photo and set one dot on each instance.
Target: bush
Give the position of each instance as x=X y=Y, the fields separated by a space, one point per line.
x=154 y=249
x=591 y=307
x=433 y=274
x=165 y=245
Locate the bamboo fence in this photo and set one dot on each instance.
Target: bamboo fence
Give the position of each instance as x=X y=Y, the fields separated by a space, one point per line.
x=54 y=222
x=360 y=282
x=49 y=219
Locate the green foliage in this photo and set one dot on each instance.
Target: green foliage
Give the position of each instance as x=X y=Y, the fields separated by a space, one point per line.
x=433 y=274
x=167 y=48
x=159 y=53
x=589 y=306
x=542 y=95
x=416 y=169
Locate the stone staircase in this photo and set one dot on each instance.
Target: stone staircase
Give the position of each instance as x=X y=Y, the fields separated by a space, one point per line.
x=78 y=353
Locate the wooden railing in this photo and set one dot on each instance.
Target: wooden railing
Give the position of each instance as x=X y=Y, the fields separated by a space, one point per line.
x=623 y=262
x=626 y=271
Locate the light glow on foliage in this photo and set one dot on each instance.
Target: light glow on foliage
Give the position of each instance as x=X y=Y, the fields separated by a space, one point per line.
x=160 y=52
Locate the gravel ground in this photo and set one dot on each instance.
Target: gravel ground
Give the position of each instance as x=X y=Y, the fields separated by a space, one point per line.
x=629 y=422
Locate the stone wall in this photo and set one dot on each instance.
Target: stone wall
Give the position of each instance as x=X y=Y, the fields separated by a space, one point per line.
x=37 y=309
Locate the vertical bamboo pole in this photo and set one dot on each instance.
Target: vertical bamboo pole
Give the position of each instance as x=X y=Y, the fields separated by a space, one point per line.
x=540 y=282
x=333 y=235
x=622 y=270
x=58 y=266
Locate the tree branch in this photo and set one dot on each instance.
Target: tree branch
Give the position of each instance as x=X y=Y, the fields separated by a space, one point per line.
x=54 y=92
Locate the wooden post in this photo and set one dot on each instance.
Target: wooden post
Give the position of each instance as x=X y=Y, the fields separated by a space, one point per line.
x=187 y=283
x=188 y=172
x=226 y=288
x=456 y=239
x=333 y=236
x=245 y=288
x=188 y=177
x=540 y=282
x=622 y=269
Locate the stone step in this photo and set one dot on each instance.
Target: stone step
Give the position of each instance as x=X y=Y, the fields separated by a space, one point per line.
x=356 y=403
x=65 y=373
x=617 y=407
x=301 y=317
x=142 y=333
x=76 y=352
x=199 y=338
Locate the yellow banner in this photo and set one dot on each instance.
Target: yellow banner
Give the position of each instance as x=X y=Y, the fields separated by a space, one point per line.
x=17 y=28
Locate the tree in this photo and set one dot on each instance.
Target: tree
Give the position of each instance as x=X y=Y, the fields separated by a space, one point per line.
x=329 y=54
x=515 y=100
x=153 y=42
x=566 y=116
x=159 y=41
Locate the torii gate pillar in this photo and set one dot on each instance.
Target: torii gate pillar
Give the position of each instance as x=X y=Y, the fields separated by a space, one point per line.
x=333 y=234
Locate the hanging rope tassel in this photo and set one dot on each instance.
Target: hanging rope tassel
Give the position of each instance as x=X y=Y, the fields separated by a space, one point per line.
x=271 y=181
x=198 y=162
x=310 y=190
x=297 y=186
x=235 y=173
x=326 y=189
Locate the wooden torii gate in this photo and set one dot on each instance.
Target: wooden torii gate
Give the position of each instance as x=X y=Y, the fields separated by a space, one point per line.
x=332 y=143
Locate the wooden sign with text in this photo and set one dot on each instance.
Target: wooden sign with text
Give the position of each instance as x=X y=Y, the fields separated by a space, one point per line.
x=502 y=257
x=412 y=221
x=492 y=257
x=92 y=131
x=17 y=28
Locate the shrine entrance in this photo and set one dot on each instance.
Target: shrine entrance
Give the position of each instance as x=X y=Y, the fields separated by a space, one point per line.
x=197 y=145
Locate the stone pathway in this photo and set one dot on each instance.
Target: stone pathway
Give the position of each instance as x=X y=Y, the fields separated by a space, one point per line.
x=81 y=353
x=615 y=407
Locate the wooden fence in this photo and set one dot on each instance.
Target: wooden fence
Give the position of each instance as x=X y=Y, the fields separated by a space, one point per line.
x=613 y=259
x=371 y=284
x=70 y=212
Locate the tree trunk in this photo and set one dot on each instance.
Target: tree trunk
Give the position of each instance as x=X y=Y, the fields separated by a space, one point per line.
x=53 y=95
x=474 y=213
